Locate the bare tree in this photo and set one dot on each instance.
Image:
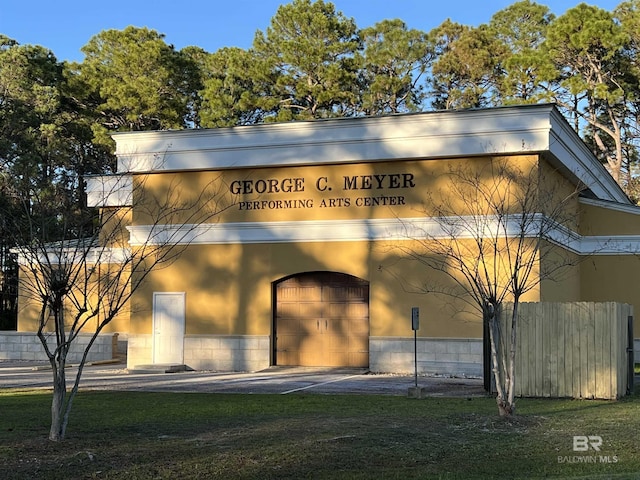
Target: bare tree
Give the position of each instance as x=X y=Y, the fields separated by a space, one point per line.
x=497 y=228
x=78 y=270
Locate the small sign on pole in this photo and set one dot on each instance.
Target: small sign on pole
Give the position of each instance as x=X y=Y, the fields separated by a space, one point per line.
x=415 y=318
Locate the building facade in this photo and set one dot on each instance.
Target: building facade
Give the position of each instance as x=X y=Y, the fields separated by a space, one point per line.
x=306 y=257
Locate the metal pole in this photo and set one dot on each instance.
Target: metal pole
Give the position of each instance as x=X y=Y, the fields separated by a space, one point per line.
x=415 y=325
x=415 y=355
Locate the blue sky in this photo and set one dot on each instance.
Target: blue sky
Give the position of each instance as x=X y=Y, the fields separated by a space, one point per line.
x=64 y=26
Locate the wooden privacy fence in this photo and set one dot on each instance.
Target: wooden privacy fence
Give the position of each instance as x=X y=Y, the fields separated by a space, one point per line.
x=576 y=350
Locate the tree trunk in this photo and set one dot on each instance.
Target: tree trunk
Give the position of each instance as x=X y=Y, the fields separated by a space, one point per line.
x=512 y=358
x=58 y=360
x=494 y=337
x=503 y=371
x=505 y=409
x=58 y=417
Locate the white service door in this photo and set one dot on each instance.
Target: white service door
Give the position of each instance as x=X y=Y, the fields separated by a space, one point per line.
x=168 y=327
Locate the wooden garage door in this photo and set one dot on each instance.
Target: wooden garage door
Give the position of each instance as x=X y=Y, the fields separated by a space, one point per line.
x=322 y=319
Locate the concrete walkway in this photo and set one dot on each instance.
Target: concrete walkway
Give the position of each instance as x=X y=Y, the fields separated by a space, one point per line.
x=275 y=380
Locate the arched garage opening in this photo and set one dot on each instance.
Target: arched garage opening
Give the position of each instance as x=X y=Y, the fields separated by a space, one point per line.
x=321 y=319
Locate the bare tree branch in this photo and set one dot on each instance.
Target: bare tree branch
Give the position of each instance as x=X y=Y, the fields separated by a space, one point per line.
x=499 y=226
x=80 y=270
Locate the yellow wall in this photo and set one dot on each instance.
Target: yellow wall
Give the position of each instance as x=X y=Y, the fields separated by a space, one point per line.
x=596 y=220
x=30 y=305
x=229 y=287
x=114 y=222
x=335 y=192
x=610 y=277
x=562 y=282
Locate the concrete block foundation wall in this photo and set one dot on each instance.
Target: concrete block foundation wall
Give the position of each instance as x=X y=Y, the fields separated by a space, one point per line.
x=25 y=346
x=386 y=354
x=227 y=353
x=252 y=353
x=444 y=356
x=139 y=350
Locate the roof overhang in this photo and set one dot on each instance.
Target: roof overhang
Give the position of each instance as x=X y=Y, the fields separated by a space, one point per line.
x=539 y=129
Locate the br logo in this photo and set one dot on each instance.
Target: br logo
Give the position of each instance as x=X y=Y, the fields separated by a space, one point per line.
x=582 y=443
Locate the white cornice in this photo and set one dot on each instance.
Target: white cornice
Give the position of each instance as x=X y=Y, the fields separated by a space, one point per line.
x=344 y=140
x=73 y=256
x=109 y=190
x=387 y=229
x=609 y=205
x=430 y=135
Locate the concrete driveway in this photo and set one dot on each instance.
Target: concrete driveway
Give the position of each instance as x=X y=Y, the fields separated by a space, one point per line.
x=275 y=380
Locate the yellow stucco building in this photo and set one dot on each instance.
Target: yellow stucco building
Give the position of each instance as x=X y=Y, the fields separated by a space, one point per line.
x=300 y=265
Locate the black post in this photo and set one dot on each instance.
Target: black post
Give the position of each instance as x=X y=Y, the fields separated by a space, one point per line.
x=415 y=325
x=415 y=355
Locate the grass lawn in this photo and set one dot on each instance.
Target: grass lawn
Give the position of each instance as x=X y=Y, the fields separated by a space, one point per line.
x=133 y=435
